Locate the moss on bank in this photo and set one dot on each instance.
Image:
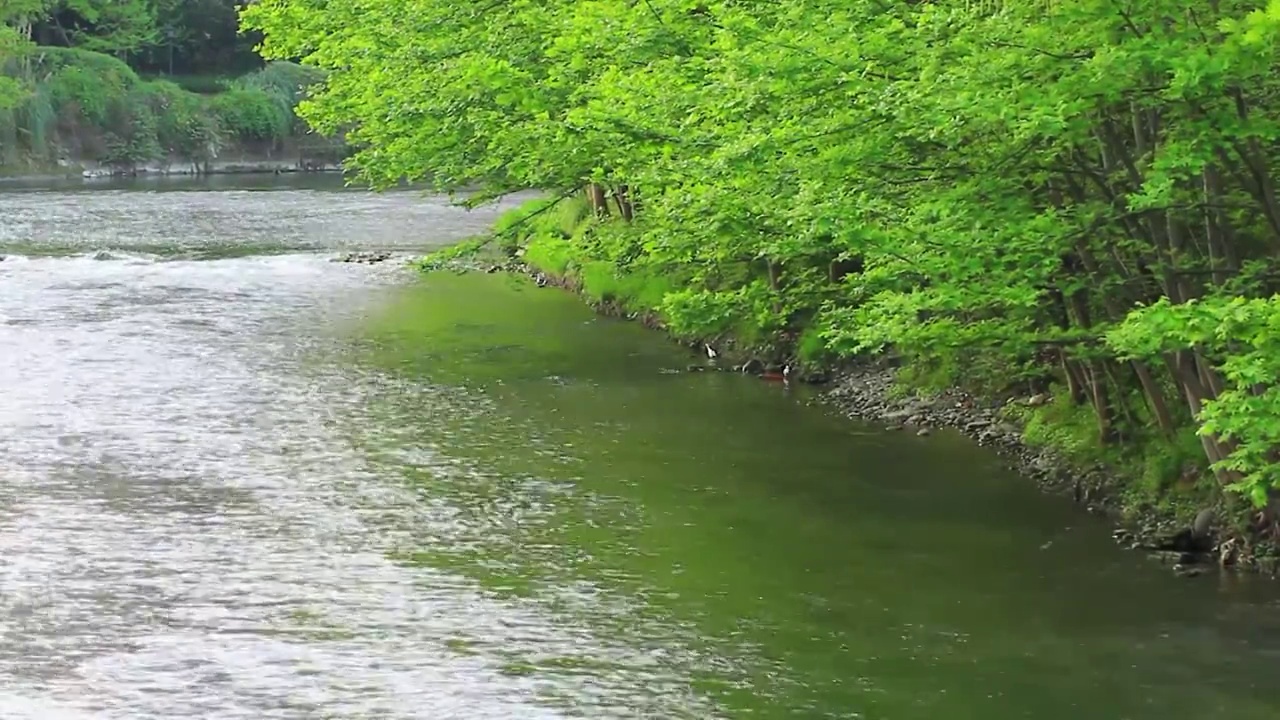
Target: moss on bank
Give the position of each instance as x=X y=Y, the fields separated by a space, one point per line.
x=79 y=106
x=1155 y=481
x=1149 y=476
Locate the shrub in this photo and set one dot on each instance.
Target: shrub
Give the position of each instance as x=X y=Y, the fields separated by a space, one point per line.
x=112 y=71
x=287 y=83
x=284 y=79
x=251 y=114
x=185 y=126
x=99 y=105
x=201 y=84
x=135 y=142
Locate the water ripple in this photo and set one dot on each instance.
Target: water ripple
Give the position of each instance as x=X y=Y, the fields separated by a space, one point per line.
x=186 y=530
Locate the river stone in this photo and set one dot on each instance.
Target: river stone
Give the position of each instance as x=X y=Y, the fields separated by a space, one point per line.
x=1187 y=572
x=367 y=258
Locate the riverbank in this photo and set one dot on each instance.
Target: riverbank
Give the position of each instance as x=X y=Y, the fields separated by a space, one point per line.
x=869 y=391
x=88 y=113
x=1150 y=491
x=249 y=166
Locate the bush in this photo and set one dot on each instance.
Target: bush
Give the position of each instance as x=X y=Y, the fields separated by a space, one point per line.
x=251 y=114
x=286 y=80
x=84 y=86
x=99 y=106
x=200 y=84
x=288 y=84
x=65 y=91
x=135 y=142
x=112 y=71
x=185 y=127
x=79 y=94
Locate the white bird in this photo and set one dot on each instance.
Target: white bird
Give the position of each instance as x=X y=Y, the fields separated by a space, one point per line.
x=711 y=353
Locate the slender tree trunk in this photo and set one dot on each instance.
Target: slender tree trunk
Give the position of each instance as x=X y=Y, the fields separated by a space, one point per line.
x=599 y=203
x=1155 y=399
x=1219 y=235
x=1075 y=380
x=625 y=210
x=1102 y=403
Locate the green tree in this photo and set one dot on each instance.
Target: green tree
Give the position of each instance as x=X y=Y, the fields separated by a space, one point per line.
x=16 y=18
x=116 y=27
x=1026 y=192
x=201 y=36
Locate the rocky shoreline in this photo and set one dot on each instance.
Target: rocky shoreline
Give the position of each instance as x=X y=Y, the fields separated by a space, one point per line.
x=865 y=393
x=244 y=168
x=104 y=172
x=368 y=257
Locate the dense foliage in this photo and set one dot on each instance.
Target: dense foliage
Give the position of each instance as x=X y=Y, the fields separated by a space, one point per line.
x=173 y=36
x=70 y=83
x=1080 y=192
x=72 y=103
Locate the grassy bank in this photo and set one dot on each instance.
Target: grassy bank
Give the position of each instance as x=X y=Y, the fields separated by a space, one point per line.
x=1095 y=226
x=563 y=239
x=81 y=107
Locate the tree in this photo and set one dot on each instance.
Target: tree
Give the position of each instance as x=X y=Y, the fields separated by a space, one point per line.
x=201 y=36
x=116 y=27
x=16 y=18
x=1032 y=191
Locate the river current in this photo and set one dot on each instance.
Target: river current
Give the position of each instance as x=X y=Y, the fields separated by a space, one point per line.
x=240 y=480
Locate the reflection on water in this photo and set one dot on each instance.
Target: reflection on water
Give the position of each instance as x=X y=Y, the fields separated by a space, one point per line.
x=809 y=568
x=240 y=481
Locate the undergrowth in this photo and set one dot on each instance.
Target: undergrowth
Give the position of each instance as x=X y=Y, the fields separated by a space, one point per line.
x=1165 y=474
x=562 y=238
x=89 y=106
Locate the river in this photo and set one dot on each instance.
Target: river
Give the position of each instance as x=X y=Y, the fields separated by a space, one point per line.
x=238 y=480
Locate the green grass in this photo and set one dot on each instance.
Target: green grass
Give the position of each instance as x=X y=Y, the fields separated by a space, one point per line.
x=552 y=254
x=1154 y=472
x=636 y=291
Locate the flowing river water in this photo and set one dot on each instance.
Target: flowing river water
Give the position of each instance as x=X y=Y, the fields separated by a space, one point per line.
x=238 y=480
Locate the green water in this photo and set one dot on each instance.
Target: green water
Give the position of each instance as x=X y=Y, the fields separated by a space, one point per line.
x=239 y=481
x=780 y=561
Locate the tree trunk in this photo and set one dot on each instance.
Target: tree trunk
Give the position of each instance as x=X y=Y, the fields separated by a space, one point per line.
x=1155 y=399
x=1102 y=403
x=624 y=204
x=599 y=204
x=1075 y=379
